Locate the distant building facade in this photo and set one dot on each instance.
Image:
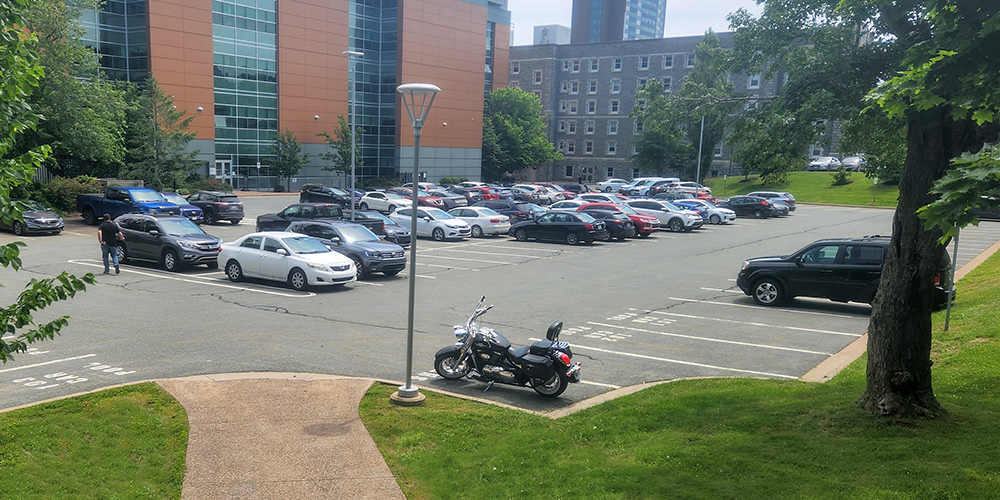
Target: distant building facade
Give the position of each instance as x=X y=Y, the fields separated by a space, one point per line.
x=551 y=34
x=615 y=20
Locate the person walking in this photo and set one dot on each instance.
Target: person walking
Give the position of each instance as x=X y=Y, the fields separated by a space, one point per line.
x=108 y=233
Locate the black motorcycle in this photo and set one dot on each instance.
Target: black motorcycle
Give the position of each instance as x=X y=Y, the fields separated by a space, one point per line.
x=483 y=354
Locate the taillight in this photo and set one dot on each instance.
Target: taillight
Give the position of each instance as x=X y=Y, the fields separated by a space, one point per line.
x=221 y=204
x=763 y=202
x=563 y=358
x=494 y=220
x=937 y=279
x=588 y=227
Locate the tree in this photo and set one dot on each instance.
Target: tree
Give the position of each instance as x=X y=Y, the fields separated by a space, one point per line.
x=288 y=157
x=770 y=141
x=973 y=183
x=157 y=137
x=514 y=134
x=659 y=145
x=881 y=139
x=21 y=74
x=935 y=64
x=341 y=144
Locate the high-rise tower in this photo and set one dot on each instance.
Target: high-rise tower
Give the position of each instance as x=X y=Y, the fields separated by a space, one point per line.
x=615 y=20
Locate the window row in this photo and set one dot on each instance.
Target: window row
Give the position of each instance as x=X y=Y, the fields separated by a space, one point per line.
x=571 y=106
x=590 y=126
x=593 y=86
x=587 y=147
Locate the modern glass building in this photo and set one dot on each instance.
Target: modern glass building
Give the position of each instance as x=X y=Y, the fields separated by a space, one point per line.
x=616 y=20
x=247 y=69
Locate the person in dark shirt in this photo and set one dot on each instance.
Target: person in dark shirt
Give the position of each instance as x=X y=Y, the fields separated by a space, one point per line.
x=108 y=233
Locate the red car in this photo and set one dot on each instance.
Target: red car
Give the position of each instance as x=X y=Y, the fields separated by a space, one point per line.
x=564 y=193
x=486 y=192
x=423 y=197
x=645 y=225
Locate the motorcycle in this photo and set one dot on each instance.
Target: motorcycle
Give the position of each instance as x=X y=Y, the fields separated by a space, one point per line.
x=484 y=354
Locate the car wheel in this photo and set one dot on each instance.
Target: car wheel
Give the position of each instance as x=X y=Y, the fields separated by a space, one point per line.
x=477 y=232
x=234 y=271
x=767 y=292
x=521 y=235
x=209 y=217
x=391 y=273
x=363 y=206
x=608 y=237
x=551 y=387
x=212 y=265
x=360 y=267
x=297 y=279
x=89 y=217
x=572 y=238
x=675 y=225
x=234 y=221
x=169 y=260
x=392 y=208
x=607 y=189
x=758 y=214
x=18 y=228
x=122 y=253
x=449 y=368
x=715 y=219
x=438 y=234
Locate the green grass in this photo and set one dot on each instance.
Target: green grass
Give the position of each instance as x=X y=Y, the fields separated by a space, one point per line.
x=721 y=438
x=128 y=442
x=812 y=187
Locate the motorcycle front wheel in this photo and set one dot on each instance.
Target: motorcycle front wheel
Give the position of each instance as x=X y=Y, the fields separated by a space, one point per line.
x=551 y=387
x=448 y=367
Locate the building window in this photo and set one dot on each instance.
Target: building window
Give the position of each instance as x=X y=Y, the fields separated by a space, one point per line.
x=572 y=107
x=569 y=171
x=575 y=66
x=751 y=105
x=592 y=87
x=753 y=82
x=616 y=85
x=638 y=126
x=635 y=172
x=570 y=126
x=571 y=147
x=514 y=84
x=690 y=61
x=588 y=147
x=560 y=145
x=616 y=64
x=591 y=106
x=612 y=127
x=640 y=83
x=643 y=62
x=609 y=172
x=538 y=94
x=613 y=106
x=593 y=65
x=668 y=61
x=635 y=150
x=564 y=87
x=667 y=83
x=565 y=65
x=562 y=106
x=562 y=125
x=718 y=150
x=515 y=67
x=574 y=87
x=537 y=76
x=612 y=147
x=816 y=150
x=588 y=126
x=641 y=104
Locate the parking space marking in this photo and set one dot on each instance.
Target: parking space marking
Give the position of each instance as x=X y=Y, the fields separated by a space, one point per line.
x=598 y=384
x=730 y=290
x=751 y=323
x=497 y=254
x=709 y=339
x=425 y=276
x=447 y=267
x=77 y=234
x=470 y=260
x=368 y=283
x=702 y=301
x=679 y=362
x=199 y=281
x=47 y=363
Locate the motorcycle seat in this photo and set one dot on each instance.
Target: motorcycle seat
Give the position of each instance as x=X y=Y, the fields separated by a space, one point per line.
x=518 y=352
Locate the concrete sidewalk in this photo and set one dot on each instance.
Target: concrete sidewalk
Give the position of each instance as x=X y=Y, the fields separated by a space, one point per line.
x=273 y=435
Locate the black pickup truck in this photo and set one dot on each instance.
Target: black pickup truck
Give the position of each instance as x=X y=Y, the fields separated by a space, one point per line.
x=311 y=211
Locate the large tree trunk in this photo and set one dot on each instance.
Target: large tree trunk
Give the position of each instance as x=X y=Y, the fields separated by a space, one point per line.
x=899 y=334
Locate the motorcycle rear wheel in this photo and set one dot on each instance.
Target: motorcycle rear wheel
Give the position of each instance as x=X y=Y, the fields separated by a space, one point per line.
x=448 y=367
x=551 y=387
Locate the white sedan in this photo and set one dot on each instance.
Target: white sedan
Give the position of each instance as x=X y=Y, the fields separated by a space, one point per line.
x=433 y=222
x=611 y=185
x=299 y=260
x=569 y=205
x=716 y=214
x=671 y=217
x=383 y=201
x=483 y=220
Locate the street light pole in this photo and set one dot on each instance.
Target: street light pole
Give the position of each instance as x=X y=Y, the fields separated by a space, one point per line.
x=701 y=138
x=352 y=61
x=418 y=98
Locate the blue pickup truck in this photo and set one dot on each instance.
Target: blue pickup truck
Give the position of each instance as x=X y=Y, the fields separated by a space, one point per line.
x=118 y=200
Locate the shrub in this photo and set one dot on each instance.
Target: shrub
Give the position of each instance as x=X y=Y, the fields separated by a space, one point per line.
x=841 y=177
x=377 y=182
x=211 y=185
x=453 y=180
x=60 y=193
x=278 y=188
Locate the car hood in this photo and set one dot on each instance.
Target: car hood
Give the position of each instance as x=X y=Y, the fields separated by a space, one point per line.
x=40 y=214
x=772 y=258
x=454 y=223
x=200 y=238
x=376 y=246
x=330 y=258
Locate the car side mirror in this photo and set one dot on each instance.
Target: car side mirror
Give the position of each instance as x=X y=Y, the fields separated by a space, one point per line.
x=154 y=232
x=281 y=251
x=427 y=219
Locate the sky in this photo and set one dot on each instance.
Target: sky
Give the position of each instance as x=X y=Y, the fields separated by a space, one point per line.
x=684 y=17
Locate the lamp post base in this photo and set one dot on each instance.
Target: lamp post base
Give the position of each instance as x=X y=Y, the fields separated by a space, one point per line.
x=407 y=396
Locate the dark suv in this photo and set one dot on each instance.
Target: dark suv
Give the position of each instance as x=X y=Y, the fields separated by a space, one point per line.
x=218 y=205
x=369 y=253
x=842 y=270
x=324 y=194
x=516 y=210
x=754 y=206
x=172 y=241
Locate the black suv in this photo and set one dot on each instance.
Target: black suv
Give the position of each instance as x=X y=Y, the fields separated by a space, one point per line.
x=369 y=253
x=842 y=270
x=218 y=205
x=754 y=206
x=172 y=241
x=517 y=210
x=310 y=211
x=324 y=194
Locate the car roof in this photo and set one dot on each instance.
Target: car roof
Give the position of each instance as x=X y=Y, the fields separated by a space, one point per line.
x=875 y=238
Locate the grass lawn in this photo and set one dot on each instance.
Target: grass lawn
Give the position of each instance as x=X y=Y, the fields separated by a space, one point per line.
x=721 y=438
x=812 y=187
x=128 y=442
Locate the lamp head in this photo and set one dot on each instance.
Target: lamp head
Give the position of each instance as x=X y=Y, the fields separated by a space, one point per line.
x=418 y=98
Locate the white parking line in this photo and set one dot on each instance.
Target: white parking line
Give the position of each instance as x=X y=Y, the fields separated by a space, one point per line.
x=539 y=249
x=751 y=323
x=497 y=254
x=198 y=281
x=610 y=386
x=730 y=290
x=679 y=362
x=76 y=234
x=709 y=339
x=47 y=363
x=447 y=267
x=425 y=276
x=776 y=309
x=470 y=260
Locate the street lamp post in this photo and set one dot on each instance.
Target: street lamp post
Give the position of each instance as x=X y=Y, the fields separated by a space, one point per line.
x=352 y=57
x=418 y=98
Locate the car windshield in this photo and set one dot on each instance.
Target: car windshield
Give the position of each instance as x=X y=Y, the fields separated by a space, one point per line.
x=436 y=213
x=229 y=199
x=174 y=198
x=338 y=192
x=329 y=211
x=707 y=204
x=394 y=196
x=145 y=196
x=535 y=208
x=377 y=215
x=487 y=212
x=180 y=227
x=33 y=206
x=355 y=234
x=670 y=206
x=305 y=244
x=585 y=218
x=627 y=209
x=423 y=193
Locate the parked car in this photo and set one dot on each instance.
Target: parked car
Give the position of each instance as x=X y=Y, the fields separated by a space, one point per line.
x=35 y=219
x=611 y=185
x=780 y=196
x=423 y=197
x=540 y=194
x=692 y=186
x=451 y=200
x=383 y=201
x=471 y=184
x=854 y=163
x=218 y=205
x=667 y=215
x=423 y=186
x=575 y=188
x=483 y=220
x=433 y=222
x=569 y=205
x=638 y=186
x=571 y=228
x=118 y=200
x=369 y=253
x=188 y=211
x=618 y=225
x=670 y=195
x=392 y=230
x=758 y=208
x=298 y=211
x=173 y=241
x=824 y=163
x=645 y=225
x=325 y=194
x=842 y=269
x=517 y=211
x=470 y=196
x=299 y=260
x=524 y=195
x=780 y=209
x=601 y=198
x=716 y=214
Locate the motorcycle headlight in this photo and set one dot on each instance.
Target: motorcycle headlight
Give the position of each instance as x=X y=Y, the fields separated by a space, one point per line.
x=318 y=267
x=460 y=331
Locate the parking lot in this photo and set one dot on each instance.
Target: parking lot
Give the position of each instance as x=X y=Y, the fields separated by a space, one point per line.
x=637 y=311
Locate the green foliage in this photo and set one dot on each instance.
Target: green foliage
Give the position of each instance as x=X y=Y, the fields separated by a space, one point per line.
x=157 y=138
x=841 y=177
x=973 y=183
x=340 y=141
x=211 y=185
x=771 y=142
x=452 y=180
x=60 y=192
x=660 y=146
x=378 y=182
x=514 y=134
x=811 y=187
x=288 y=157
x=882 y=139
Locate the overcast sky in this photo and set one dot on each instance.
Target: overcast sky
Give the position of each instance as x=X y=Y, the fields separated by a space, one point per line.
x=684 y=17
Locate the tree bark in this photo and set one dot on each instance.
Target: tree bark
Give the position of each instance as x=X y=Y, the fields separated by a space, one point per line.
x=899 y=333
